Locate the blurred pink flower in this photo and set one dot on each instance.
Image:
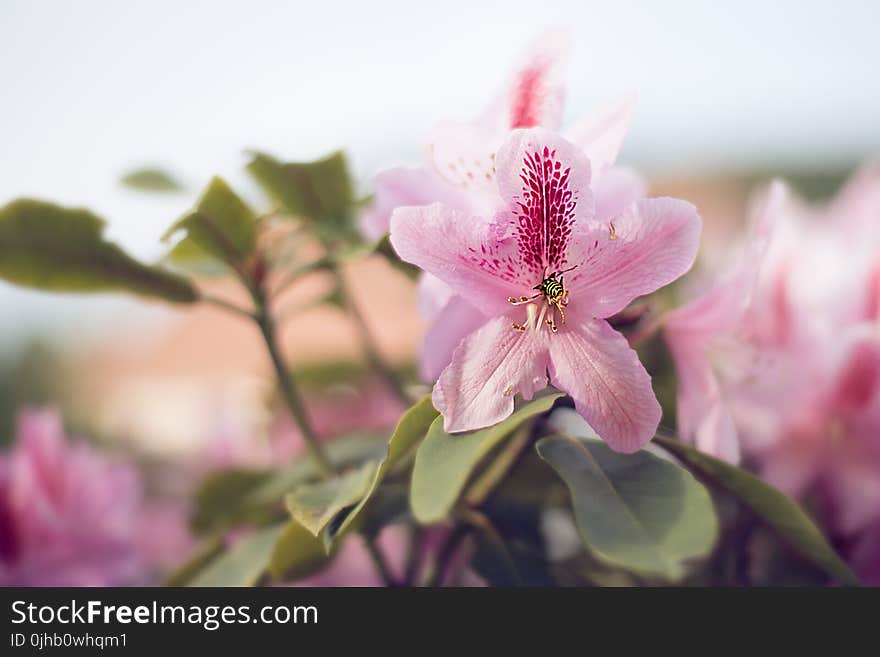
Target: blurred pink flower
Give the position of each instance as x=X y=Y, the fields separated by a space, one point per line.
x=71 y=517
x=368 y=407
x=865 y=556
x=781 y=360
x=352 y=565
x=461 y=175
x=547 y=232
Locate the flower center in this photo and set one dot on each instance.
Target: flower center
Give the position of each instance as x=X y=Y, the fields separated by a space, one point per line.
x=553 y=297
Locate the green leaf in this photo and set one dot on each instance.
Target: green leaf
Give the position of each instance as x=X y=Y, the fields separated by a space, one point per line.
x=221 y=225
x=779 y=512
x=410 y=430
x=189 y=257
x=246 y=563
x=296 y=554
x=151 y=179
x=321 y=190
x=492 y=558
x=316 y=505
x=218 y=497
x=49 y=247
x=444 y=462
x=230 y=497
x=189 y=569
x=637 y=511
x=344 y=452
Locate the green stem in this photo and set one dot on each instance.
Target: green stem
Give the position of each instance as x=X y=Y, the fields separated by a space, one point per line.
x=371 y=350
x=413 y=555
x=293 y=276
x=289 y=390
x=495 y=472
x=437 y=572
x=227 y=305
x=379 y=561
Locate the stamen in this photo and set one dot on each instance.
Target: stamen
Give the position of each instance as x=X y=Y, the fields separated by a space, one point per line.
x=516 y=302
x=518 y=327
x=541 y=317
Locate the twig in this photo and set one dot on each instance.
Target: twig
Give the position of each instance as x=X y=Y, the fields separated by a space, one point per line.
x=227 y=305
x=379 y=561
x=495 y=472
x=289 y=390
x=437 y=573
x=371 y=350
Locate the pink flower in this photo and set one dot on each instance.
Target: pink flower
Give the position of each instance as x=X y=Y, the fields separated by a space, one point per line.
x=352 y=565
x=864 y=556
x=68 y=515
x=780 y=361
x=546 y=237
x=461 y=175
x=719 y=338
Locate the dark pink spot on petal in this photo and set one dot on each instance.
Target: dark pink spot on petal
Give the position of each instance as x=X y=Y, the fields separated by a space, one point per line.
x=544 y=212
x=529 y=93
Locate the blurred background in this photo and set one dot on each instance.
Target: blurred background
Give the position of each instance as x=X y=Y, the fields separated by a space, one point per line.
x=729 y=94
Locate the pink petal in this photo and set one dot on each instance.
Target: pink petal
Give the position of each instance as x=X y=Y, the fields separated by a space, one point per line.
x=865 y=556
x=535 y=93
x=871 y=309
x=858 y=379
x=717 y=434
x=722 y=307
x=463 y=152
x=546 y=180
x=463 y=155
x=488 y=369
x=650 y=245
x=433 y=295
x=456 y=321
x=460 y=250
x=856 y=490
x=616 y=190
x=793 y=467
x=601 y=135
x=406 y=186
x=595 y=365
x=718 y=312
x=688 y=332
x=697 y=385
x=857 y=205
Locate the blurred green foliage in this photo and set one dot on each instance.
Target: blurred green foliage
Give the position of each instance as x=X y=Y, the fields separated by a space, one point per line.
x=49 y=247
x=320 y=192
x=152 y=179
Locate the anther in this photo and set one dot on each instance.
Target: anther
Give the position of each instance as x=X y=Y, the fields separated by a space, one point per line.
x=519 y=327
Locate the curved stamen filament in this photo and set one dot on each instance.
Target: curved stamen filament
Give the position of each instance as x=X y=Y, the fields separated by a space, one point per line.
x=555 y=297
